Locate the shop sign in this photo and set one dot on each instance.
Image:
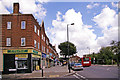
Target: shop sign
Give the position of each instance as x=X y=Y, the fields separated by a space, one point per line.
x=43 y=55
x=17 y=51
x=21 y=56
x=35 y=52
x=35 y=56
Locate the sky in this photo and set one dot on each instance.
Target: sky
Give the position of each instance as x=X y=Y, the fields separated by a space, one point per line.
x=95 y=23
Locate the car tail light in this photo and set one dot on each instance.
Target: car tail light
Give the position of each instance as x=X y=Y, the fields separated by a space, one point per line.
x=75 y=66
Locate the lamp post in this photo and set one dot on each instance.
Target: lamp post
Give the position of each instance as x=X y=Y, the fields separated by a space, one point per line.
x=68 y=45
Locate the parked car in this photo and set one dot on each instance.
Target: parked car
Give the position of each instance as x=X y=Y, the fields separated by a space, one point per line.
x=77 y=66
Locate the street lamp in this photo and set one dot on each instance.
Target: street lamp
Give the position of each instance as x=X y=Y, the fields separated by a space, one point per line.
x=68 y=45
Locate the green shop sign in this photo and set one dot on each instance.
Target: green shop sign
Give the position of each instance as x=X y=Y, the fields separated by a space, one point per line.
x=17 y=51
x=35 y=52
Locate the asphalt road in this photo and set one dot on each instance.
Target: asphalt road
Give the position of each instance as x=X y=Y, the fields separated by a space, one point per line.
x=97 y=73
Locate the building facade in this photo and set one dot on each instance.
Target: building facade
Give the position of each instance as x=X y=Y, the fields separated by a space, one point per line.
x=24 y=42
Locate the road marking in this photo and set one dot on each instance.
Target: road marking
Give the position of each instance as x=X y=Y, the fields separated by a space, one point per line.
x=81 y=76
x=51 y=76
x=76 y=76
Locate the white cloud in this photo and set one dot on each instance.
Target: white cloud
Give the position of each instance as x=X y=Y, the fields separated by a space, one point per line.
x=114 y=5
x=79 y=34
x=26 y=7
x=108 y=21
x=92 y=5
x=106 y=18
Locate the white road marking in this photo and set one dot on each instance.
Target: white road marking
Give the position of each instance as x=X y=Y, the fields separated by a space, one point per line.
x=76 y=76
x=81 y=76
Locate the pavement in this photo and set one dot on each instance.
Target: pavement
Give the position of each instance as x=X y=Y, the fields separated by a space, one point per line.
x=52 y=72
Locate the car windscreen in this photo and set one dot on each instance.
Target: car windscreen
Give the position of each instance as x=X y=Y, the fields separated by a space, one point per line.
x=85 y=59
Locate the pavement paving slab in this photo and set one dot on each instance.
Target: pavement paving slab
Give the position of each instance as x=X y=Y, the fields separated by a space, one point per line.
x=53 y=72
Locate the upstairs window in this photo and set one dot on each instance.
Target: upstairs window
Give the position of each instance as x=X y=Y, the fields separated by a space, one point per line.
x=42 y=48
x=38 y=32
x=42 y=36
x=8 y=42
x=8 y=25
x=35 y=29
x=38 y=45
x=22 y=41
x=35 y=43
x=23 y=24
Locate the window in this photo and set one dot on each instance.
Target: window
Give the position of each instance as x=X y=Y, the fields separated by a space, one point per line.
x=8 y=42
x=22 y=24
x=35 y=29
x=22 y=64
x=8 y=25
x=42 y=36
x=42 y=48
x=22 y=41
x=35 y=43
x=38 y=32
x=38 y=45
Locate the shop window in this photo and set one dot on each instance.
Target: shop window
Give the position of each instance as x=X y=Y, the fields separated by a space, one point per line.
x=22 y=41
x=22 y=24
x=8 y=25
x=8 y=42
x=22 y=64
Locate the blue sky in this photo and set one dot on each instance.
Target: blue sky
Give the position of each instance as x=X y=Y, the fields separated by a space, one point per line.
x=95 y=22
x=88 y=14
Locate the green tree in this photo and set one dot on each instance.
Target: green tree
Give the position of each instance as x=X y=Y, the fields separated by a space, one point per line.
x=116 y=49
x=106 y=55
x=64 y=49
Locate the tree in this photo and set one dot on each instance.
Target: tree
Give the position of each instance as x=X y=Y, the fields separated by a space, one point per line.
x=64 y=48
x=106 y=55
x=116 y=49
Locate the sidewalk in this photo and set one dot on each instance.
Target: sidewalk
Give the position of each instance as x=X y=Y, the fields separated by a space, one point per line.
x=55 y=71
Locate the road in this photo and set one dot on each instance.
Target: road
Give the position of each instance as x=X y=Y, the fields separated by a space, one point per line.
x=94 y=72
x=97 y=72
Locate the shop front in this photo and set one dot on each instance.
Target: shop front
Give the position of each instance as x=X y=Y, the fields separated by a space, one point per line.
x=44 y=60
x=21 y=60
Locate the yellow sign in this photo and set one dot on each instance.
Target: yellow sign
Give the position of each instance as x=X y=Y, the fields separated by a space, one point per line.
x=16 y=51
x=37 y=68
x=22 y=55
x=13 y=51
x=35 y=56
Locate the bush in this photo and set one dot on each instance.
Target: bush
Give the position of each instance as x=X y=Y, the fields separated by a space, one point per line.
x=109 y=62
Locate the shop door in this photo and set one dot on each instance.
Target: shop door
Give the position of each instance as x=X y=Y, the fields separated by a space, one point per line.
x=9 y=62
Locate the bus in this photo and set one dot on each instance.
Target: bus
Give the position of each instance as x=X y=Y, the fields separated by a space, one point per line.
x=86 y=61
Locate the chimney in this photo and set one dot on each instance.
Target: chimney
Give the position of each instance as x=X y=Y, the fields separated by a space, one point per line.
x=16 y=8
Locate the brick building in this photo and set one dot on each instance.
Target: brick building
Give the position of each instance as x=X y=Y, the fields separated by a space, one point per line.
x=24 y=42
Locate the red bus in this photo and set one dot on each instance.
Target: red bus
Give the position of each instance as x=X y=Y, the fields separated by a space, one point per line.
x=86 y=61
